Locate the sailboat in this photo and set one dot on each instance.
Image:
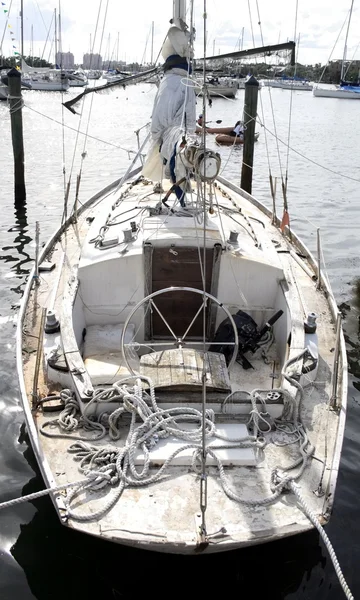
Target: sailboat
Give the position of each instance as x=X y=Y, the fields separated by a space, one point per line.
x=347 y=90
x=187 y=389
x=45 y=78
x=4 y=91
x=289 y=83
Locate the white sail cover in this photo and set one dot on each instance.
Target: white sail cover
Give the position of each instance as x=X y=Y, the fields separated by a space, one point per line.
x=174 y=112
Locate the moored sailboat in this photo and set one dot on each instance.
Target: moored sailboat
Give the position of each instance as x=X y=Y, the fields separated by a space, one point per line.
x=190 y=354
x=345 y=90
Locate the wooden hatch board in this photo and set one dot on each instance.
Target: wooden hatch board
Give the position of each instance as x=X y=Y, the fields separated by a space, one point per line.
x=180 y=267
x=181 y=369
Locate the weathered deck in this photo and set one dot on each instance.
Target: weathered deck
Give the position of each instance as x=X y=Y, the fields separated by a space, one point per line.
x=165 y=516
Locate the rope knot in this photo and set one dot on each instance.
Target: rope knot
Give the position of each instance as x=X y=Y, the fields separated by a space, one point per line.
x=98 y=479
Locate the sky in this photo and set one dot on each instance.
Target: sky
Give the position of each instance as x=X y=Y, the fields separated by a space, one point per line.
x=318 y=23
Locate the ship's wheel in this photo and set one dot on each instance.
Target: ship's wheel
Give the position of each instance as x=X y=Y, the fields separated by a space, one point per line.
x=179 y=341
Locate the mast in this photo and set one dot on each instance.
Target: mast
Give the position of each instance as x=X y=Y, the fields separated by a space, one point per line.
x=345 y=45
x=60 y=41
x=152 y=43
x=55 y=36
x=179 y=10
x=32 y=45
x=22 y=28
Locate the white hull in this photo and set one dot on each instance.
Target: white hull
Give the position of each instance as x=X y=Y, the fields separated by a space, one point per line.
x=336 y=93
x=111 y=78
x=73 y=83
x=49 y=86
x=220 y=90
x=301 y=87
x=4 y=91
x=164 y=515
x=284 y=85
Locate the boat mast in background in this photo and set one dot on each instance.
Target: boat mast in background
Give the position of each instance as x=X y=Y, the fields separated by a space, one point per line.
x=55 y=17
x=345 y=45
x=152 y=44
x=60 y=43
x=22 y=28
x=32 y=45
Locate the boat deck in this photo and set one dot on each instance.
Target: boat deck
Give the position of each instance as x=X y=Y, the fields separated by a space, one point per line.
x=165 y=516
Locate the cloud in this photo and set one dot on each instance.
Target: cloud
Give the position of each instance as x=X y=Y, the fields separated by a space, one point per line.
x=318 y=22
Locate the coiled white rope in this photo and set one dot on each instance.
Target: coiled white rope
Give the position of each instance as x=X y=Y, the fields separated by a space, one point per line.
x=103 y=466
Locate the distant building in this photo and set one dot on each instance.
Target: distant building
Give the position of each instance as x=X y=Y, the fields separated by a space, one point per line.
x=65 y=59
x=114 y=64
x=92 y=61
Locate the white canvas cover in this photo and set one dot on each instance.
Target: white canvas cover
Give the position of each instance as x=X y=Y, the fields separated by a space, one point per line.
x=174 y=110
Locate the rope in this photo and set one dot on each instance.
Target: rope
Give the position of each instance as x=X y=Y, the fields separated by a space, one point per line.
x=87 y=482
x=110 y=465
x=274 y=134
x=314 y=520
x=17 y=105
x=118 y=464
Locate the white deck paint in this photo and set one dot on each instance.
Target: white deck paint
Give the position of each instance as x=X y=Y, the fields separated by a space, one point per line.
x=230 y=457
x=163 y=516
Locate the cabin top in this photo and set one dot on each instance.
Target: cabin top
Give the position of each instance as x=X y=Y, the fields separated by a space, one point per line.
x=138 y=217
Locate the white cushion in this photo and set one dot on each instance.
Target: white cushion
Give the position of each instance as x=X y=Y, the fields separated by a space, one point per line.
x=102 y=339
x=105 y=369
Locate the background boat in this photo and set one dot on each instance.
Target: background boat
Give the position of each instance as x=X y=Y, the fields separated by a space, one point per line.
x=288 y=83
x=340 y=92
x=344 y=90
x=44 y=78
x=77 y=78
x=4 y=91
x=94 y=74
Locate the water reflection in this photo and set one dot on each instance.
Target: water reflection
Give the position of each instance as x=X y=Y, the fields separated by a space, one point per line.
x=15 y=251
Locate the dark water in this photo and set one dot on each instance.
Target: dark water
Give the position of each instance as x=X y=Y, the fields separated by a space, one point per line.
x=38 y=557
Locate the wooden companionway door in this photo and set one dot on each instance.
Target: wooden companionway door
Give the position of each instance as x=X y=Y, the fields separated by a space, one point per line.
x=180 y=266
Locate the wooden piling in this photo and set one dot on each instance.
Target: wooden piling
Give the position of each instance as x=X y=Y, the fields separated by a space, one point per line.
x=250 y=112
x=15 y=101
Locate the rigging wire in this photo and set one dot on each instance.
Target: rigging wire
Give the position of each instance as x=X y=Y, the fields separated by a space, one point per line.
x=270 y=97
x=251 y=24
x=333 y=48
x=93 y=137
x=83 y=154
x=314 y=162
x=291 y=105
x=47 y=38
x=42 y=18
x=352 y=60
x=62 y=123
x=6 y=27
x=203 y=475
x=260 y=96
